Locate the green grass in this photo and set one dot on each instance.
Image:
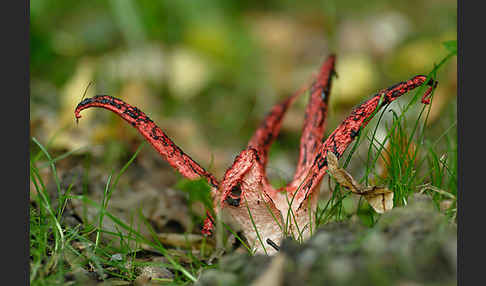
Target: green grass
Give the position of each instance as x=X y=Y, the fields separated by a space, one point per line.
x=54 y=248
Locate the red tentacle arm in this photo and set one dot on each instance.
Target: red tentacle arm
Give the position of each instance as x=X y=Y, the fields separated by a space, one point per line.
x=349 y=129
x=158 y=139
x=315 y=120
x=268 y=130
x=208 y=224
x=152 y=133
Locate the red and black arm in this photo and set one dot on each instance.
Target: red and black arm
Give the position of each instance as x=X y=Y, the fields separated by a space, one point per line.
x=349 y=129
x=158 y=139
x=315 y=119
x=152 y=133
x=269 y=129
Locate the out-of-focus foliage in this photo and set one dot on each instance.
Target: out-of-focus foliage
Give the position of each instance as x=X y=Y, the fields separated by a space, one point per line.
x=207 y=71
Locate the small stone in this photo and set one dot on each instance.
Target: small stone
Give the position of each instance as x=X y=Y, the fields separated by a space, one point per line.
x=117 y=257
x=152 y=272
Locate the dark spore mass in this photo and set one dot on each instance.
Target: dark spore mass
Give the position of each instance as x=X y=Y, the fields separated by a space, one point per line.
x=232 y=202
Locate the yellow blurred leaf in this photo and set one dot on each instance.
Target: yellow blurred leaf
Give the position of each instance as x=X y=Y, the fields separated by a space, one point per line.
x=189 y=73
x=357 y=77
x=71 y=95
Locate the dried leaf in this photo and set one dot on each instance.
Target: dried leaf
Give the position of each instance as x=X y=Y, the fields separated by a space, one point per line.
x=342 y=176
x=380 y=198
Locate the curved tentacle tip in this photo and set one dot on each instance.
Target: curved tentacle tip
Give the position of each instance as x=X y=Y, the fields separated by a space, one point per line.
x=77 y=115
x=432 y=85
x=81 y=106
x=76 y=111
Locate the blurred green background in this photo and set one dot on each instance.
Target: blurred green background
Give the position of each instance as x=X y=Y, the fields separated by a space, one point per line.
x=208 y=71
